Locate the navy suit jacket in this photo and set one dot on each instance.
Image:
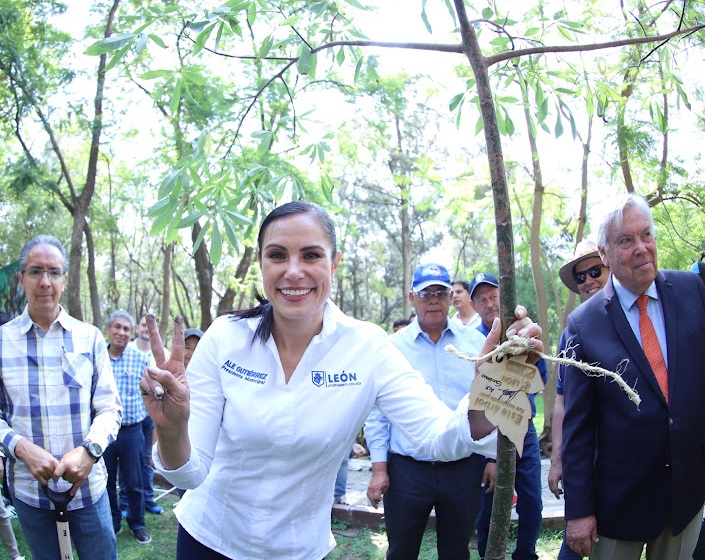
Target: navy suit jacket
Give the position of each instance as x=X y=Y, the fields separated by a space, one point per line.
x=635 y=468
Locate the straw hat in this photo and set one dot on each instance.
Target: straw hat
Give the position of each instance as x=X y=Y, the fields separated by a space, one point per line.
x=585 y=250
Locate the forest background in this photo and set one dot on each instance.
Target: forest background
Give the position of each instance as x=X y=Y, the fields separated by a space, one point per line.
x=152 y=137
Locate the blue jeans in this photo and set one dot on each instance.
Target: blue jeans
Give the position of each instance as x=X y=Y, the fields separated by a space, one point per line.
x=528 y=488
x=128 y=450
x=147 y=473
x=341 y=479
x=91 y=531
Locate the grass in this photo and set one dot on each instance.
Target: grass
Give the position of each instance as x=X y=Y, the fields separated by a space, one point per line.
x=360 y=544
x=162 y=528
x=538 y=419
x=368 y=545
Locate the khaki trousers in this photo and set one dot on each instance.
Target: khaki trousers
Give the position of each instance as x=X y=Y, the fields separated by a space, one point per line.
x=664 y=547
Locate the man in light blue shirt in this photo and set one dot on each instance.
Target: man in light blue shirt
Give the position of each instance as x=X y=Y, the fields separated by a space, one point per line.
x=412 y=482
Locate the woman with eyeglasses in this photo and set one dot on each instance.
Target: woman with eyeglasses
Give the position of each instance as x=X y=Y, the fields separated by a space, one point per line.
x=274 y=398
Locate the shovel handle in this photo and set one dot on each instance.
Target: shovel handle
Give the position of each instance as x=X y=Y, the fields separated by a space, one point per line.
x=60 y=500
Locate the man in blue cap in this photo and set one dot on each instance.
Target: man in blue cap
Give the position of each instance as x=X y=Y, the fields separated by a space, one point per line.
x=411 y=482
x=484 y=292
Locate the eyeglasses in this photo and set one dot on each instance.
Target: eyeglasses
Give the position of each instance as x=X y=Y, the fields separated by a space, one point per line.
x=37 y=273
x=428 y=294
x=593 y=271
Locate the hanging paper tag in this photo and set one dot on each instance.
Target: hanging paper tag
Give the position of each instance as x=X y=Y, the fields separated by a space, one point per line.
x=500 y=389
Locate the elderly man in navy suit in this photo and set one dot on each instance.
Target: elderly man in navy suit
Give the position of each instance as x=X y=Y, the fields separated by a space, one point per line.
x=634 y=476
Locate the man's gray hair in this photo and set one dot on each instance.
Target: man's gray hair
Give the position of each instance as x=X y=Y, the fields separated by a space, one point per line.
x=42 y=240
x=120 y=314
x=614 y=219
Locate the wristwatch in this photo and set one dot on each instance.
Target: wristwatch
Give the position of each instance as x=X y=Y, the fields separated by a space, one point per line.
x=93 y=448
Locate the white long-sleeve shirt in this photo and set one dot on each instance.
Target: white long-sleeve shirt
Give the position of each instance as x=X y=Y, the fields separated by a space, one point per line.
x=265 y=453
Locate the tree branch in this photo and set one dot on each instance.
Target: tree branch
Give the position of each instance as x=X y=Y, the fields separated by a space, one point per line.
x=494 y=59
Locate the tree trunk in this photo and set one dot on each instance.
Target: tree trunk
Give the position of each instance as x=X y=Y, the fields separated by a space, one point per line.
x=82 y=202
x=227 y=302
x=506 y=452
x=204 y=274
x=92 y=283
x=622 y=142
x=536 y=217
x=405 y=250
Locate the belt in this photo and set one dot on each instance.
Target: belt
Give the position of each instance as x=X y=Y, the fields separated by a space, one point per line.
x=438 y=464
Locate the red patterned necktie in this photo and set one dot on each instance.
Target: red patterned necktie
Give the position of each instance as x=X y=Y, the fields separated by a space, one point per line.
x=651 y=345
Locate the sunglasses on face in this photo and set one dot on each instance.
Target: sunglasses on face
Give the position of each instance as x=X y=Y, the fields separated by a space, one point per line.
x=593 y=271
x=428 y=294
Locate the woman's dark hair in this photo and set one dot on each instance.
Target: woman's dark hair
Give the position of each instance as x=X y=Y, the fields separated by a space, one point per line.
x=264 y=308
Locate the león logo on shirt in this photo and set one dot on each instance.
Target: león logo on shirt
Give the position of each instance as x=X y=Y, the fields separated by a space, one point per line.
x=342 y=379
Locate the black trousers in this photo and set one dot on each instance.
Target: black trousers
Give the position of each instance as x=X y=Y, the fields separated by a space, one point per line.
x=415 y=487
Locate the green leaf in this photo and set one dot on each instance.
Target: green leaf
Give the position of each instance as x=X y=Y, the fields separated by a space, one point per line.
x=251 y=14
x=457 y=100
x=573 y=125
x=576 y=25
x=451 y=11
x=201 y=235
x=559 y=126
x=500 y=41
x=543 y=111
x=112 y=43
x=303 y=64
x=231 y=234
x=216 y=245
x=193 y=74
x=202 y=38
x=566 y=33
x=487 y=13
x=531 y=31
x=219 y=36
x=117 y=57
x=265 y=47
x=508 y=123
x=291 y=20
x=500 y=122
x=176 y=97
x=191 y=219
x=141 y=43
x=424 y=17
x=681 y=93
x=358 y=68
x=156 y=207
x=327 y=186
x=153 y=74
x=158 y=40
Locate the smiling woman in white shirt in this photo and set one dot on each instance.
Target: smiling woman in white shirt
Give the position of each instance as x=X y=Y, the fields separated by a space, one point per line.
x=274 y=397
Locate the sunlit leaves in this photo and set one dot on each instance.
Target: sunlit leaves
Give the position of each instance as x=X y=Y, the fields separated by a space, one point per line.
x=110 y=44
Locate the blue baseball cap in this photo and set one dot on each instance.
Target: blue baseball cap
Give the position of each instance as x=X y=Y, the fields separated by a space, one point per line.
x=429 y=275
x=483 y=278
x=193 y=332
